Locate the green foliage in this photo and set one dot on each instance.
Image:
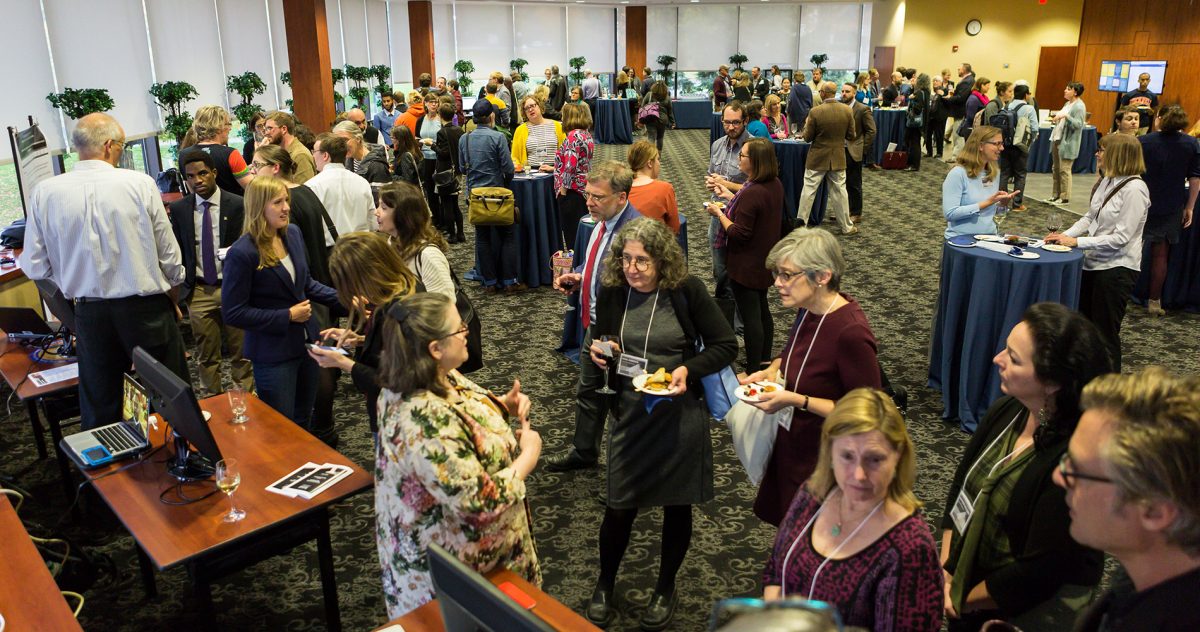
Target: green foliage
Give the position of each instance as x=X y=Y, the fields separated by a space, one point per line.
x=337 y=75
x=77 y=104
x=358 y=75
x=665 y=61
x=339 y=101
x=519 y=65
x=737 y=59
x=243 y=112
x=286 y=78
x=464 y=68
x=360 y=94
x=382 y=73
x=246 y=85
x=577 y=63
x=818 y=60
x=171 y=96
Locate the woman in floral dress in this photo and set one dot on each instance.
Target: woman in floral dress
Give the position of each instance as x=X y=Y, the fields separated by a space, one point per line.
x=448 y=467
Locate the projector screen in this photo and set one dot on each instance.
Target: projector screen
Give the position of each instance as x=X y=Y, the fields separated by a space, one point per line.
x=1121 y=76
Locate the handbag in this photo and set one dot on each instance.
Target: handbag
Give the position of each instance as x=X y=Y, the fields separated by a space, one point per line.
x=649 y=112
x=894 y=160
x=446 y=182
x=490 y=206
x=753 y=432
x=718 y=392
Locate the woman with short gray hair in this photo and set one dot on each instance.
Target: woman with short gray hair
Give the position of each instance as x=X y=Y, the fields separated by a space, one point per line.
x=365 y=159
x=825 y=357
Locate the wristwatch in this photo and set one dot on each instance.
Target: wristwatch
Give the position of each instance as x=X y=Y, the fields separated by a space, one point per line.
x=804 y=406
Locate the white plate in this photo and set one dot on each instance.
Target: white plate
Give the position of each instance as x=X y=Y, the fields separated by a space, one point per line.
x=1025 y=254
x=639 y=384
x=1056 y=248
x=996 y=238
x=742 y=392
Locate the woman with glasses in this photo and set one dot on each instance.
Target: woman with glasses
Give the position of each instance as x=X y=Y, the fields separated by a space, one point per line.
x=829 y=352
x=854 y=536
x=971 y=190
x=1006 y=544
x=536 y=139
x=448 y=468
x=659 y=452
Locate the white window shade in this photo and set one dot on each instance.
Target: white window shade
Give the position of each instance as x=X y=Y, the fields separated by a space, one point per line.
x=662 y=29
x=831 y=29
x=540 y=38
x=401 y=50
x=279 y=46
x=707 y=36
x=443 y=41
x=333 y=24
x=29 y=79
x=246 y=46
x=354 y=32
x=197 y=24
x=591 y=33
x=485 y=36
x=783 y=24
x=377 y=33
x=103 y=45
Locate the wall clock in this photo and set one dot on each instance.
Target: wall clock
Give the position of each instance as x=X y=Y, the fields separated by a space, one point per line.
x=974 y=27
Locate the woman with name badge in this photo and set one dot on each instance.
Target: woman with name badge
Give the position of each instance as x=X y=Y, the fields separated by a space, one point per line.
x=659 y=452
x=1006 y=544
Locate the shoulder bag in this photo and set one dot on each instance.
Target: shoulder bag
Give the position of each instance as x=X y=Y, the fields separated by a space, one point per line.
x=490 y=206
x=470 y=318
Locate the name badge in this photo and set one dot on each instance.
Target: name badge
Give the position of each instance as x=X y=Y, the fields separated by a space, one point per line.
x=961 y=513
x=630 y=365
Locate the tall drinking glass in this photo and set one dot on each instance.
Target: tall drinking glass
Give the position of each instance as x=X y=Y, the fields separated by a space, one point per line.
x=229 y=476
x=237 y=403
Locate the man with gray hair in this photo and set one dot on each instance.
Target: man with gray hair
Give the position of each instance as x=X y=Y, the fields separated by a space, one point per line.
x=101 y=234
x=558 y=89
x=1131 y=472
x=829 y=127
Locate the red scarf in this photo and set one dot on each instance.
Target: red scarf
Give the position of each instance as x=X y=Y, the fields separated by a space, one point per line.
x=982 y=97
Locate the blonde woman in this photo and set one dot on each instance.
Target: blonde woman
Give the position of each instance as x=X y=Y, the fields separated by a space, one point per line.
x=971 y=190
x=536 y=139
x=774 y=118
x=368 y=162
x=266 y=291
x=211 y=127
x=651 y=197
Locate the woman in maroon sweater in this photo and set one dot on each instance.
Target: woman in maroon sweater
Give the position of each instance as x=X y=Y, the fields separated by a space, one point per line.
x=829 y=352
x=750 y=226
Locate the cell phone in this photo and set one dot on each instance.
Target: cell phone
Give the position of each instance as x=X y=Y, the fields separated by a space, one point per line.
x=520 y=596
x=327 y=348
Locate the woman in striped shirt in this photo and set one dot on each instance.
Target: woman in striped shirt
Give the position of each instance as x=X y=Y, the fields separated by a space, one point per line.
x=572 y=162
x=536 y=140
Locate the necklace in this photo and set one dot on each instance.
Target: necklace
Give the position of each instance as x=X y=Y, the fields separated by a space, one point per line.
x=836 y=530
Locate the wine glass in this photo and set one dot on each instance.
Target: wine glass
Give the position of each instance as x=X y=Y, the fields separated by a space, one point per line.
x=229 y=476
x=1054 y=222
x=607 y=352
x=237 y=403
x=1000 y=216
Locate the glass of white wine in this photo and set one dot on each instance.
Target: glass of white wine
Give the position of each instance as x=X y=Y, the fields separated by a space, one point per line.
x=1000 y=216
x=237 y=403
x=229 y=476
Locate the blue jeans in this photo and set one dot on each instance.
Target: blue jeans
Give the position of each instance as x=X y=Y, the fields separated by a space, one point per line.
x=496 y=254
x=289 y=387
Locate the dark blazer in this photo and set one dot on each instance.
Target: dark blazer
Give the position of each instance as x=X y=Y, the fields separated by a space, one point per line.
x=1037 y=523
x=258 y=300
x=828 y=128
x=799 y=103
x=864 y=131
x=445 y=145
x=365 y=372
x=183 y=225
x=956 y=104
x=757 y=222
x=629 y=214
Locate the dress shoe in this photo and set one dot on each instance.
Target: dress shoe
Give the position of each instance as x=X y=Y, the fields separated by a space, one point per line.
x=1019 y=208
x=490 y=289
x=874 y=167
x=658 y=612
x=853 y=230
x=600 y=608
x=570 y=462
x=1154 y=308
x=856 y=219
x=515 y=288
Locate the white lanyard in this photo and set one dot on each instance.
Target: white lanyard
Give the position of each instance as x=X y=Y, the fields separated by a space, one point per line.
x=1017 y=449
x=653 y=308
x=813 y=585
x=788 y=361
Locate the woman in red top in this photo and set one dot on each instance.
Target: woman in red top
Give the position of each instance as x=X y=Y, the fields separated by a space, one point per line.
x=829 y=352
x=750 y=226
x=651 y=197
x=572 y=161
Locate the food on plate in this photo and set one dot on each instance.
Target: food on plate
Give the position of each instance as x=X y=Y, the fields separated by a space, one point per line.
x=659 y=381
x=754 y=390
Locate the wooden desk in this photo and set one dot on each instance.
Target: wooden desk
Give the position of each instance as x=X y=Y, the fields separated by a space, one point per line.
x=428 y=618
x=29 y=597
x=17 y=290
x=54 y=401
x=268 y=447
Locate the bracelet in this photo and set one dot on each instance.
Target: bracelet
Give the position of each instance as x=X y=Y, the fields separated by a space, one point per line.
x=804 y=406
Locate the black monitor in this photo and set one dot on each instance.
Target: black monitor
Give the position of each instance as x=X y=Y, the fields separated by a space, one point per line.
x=173 y=398
x=62 y=309
x=469 y=602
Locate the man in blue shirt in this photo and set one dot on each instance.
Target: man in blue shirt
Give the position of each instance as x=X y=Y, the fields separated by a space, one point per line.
x=484 y=157
x=386 y=118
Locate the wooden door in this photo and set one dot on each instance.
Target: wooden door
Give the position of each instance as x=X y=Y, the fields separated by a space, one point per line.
x=884 y=60
x=1056 y=67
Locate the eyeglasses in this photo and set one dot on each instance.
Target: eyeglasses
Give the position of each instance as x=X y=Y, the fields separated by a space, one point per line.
x=786 y=276
x=1069 y=476
x=731 y=123
x=642 y=264
x=994 y=142
x=462 y=330
x=256 y=165
x=743 y=155
x=596 y=198
x=531 y=107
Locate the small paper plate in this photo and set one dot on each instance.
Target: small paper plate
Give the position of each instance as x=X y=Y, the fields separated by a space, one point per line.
x=639 y=384
x=743 y=392
x=996 y=238
x=1056 y=248
x=1025 y=254
x=962 y=241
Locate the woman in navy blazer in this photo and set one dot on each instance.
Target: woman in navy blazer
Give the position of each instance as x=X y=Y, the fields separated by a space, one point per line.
x=266 y=291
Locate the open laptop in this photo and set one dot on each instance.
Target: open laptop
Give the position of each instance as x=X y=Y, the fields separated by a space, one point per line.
x=23 y=321
x=126 y=438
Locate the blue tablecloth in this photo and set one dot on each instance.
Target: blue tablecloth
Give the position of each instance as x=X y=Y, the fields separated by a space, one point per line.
x=982 y=297
x=692 y=113
x=716 y=128
x=572 y=335
x=791 y=156
x=613 y=124
x=537 y=235
x=1182 y=287
x=890 y=126
x=1085 y=162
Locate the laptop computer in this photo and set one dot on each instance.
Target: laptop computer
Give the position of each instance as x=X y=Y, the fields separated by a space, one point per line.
x=23 y=321
x=114 y=442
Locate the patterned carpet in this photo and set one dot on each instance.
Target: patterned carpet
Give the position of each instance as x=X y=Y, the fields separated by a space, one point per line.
x=893 y=272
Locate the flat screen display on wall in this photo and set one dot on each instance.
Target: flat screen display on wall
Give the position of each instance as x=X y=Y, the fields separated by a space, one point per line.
x=1121 y=76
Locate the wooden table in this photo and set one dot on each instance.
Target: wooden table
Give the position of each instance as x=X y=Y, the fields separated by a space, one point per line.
x=29 y=597
x=17 y=290
x=268 y=447
x=428 y=618
x=55 y=402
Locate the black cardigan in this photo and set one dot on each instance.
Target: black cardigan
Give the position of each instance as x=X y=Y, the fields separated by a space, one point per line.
x=365 y=372
x=1038 y=523
x=699 y=317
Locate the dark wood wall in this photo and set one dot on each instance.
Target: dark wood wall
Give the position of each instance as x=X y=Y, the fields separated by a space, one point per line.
x=1149 y=29
x=420 y=36
x=635 y=38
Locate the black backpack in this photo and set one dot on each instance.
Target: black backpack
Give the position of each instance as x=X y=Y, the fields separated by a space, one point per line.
x=1006 y=120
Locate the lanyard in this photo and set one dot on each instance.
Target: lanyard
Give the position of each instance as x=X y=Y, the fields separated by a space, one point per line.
x=1017 y=449
x=653 y=308
x=788 y=362
x=813 y=585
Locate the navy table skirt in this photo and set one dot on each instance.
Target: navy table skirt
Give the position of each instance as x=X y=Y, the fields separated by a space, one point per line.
x=572 y=336
x=1085 y=162
x=982 y=297
x=537 y=234
x=716 y=129
x=791 y=156
x=890 y=125
x=692 y=113
x=1182 y=287
x=613 y=124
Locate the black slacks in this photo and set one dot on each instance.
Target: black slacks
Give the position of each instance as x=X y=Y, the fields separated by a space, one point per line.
x=1103 y=297
x=854 y=183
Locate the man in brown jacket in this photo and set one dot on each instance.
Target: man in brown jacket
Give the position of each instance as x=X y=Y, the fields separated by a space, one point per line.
x=864 y=141
x=830 y=125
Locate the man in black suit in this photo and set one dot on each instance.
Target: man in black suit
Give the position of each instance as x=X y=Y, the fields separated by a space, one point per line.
x=800 y=101
x=956 y=107
x=205 y=223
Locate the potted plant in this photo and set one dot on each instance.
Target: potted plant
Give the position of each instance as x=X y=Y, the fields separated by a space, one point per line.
x=171 y=96
x=665 y=61
x=382 y=73
x=737 y=59
x=577 y=63
x=359 y=75
x=818 y=61
x=246 y=85
x=338 y=77
x=77 y=104
x=464 y=68
x=286 y=78
x=519 y=65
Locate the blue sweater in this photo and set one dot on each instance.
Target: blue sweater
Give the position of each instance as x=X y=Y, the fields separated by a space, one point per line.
x=961 y=196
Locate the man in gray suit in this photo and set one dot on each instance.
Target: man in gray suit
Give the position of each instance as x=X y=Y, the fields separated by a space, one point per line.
x=864 y=140
x=830 y=125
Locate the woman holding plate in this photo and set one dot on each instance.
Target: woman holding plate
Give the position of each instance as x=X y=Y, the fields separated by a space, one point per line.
x=659 y=453
x=971 y=190
x=829 y=352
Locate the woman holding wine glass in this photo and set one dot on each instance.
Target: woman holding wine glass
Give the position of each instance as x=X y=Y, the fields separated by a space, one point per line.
x=971 y=196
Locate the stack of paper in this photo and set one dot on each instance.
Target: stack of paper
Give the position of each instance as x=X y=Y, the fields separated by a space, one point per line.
x=309 y=480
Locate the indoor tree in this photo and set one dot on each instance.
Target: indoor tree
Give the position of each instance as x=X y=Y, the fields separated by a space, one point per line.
x=286 y=78
x=665 y=61
x=172 y=96
x=519 y=65
x=338 y=77
x=359 y=75
x=464 y=68
x=577 y=63
x=77 y=104
x=818 y=61
x=382 y=73
x=247 y=86
x=737 y=59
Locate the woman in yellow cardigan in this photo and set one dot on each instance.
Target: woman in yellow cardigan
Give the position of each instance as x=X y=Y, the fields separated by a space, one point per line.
x=537 y=139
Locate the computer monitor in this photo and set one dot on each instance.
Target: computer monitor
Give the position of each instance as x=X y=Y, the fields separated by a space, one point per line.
x=469 y=602
x=174 y=399
x=1122 y=75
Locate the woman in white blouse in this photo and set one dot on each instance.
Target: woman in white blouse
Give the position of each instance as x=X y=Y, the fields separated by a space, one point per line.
x=1111 y=237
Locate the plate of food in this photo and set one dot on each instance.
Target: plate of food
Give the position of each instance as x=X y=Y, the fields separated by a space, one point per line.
x=1056 y=248
x=718 y=204
x=751 y=392
x=657 y=383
